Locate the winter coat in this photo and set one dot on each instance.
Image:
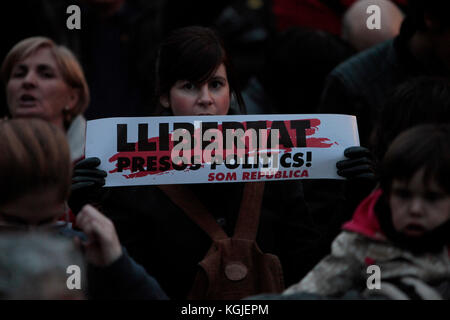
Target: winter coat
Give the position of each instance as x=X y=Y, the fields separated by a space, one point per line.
x=360 y=85
x=162 y=238
x=124 y=279
x=362 y=243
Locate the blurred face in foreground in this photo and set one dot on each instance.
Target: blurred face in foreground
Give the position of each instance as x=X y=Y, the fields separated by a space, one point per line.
x=38 y=210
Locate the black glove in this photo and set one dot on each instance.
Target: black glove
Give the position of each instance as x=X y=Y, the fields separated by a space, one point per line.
x=87 y=183
x=360 y=164
x=359 y=170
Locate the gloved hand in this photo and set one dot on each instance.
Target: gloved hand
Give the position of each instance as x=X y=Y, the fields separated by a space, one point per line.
x=359 y=170
x=360 y=164
x=87 y=183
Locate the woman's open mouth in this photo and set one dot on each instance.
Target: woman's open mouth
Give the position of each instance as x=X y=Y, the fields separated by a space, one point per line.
x=27 y=100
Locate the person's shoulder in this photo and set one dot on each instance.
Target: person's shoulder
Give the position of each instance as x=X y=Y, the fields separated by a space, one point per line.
x=348 y=242
x=367 y=65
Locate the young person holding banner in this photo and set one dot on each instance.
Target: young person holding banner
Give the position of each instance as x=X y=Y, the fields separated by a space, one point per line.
x=170 y=228
x=160 y=225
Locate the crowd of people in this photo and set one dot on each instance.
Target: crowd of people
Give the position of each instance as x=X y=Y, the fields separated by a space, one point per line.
x=290 y=239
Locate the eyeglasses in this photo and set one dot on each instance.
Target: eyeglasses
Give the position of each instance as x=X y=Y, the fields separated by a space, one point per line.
x=50 y=227
x=8 y=226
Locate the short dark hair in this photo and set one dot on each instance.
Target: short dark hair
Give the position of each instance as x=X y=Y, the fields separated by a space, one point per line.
x=416 y=101
x=426 y=146
x=194 y=54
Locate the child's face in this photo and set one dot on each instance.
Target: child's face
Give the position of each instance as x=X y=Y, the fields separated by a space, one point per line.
x=211 y=98
x=416 y=207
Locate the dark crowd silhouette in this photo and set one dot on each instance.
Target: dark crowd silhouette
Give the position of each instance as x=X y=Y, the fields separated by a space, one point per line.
x=274 y=240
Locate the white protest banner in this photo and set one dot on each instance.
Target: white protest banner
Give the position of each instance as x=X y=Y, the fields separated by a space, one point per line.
x=202 y=149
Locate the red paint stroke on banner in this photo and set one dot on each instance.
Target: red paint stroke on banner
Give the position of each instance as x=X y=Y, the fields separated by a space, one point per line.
x=311 y=142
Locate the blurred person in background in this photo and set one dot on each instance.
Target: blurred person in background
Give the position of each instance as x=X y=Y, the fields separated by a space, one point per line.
x=418 y=100
x=360 y=85
x=323 y=15
x=44 y=80
x=116 y=46
x=292 y=78
x=354 y=23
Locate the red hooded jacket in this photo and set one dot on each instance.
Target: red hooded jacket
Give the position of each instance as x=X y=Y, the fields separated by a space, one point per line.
x=365 y=220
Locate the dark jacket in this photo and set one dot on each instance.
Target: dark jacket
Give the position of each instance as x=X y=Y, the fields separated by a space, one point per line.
x=161 y=237
x=363 y=243
x=360 y=85
x=123 y=279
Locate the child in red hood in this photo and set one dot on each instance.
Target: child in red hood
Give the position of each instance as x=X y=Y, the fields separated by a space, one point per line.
x=403 y=227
